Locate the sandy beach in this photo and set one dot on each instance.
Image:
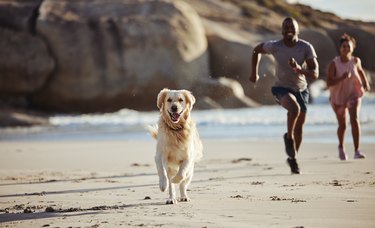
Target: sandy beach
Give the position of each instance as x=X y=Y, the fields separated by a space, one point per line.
x=242 y=183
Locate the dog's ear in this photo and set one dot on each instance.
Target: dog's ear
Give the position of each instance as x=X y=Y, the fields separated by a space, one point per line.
x=161 y=98
x=189 y=98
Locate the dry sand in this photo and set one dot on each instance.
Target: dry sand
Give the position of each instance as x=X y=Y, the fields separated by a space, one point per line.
x=237 y=184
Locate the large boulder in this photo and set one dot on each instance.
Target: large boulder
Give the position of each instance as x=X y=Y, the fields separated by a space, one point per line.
x=324 y=46
x=19 y=15
x=229 y=51
x=230 y=57
x=221 y=93
x=25 y=63
x=117 y=54
x=12 y=117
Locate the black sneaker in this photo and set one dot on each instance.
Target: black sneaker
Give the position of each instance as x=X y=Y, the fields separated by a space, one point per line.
x=289 y=147
x=293 y=165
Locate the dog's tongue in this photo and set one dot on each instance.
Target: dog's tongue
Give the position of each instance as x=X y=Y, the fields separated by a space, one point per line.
x=175 y=116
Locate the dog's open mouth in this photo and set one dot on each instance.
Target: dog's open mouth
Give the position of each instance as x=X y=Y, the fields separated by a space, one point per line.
x=175 y=116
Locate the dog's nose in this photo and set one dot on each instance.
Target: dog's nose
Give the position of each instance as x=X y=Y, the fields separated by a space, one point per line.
x=174 y=108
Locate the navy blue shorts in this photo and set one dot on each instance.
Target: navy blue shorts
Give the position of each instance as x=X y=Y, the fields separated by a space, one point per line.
x=302 y=97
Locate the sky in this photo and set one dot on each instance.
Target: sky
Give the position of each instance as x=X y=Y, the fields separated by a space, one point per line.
x=347 y=9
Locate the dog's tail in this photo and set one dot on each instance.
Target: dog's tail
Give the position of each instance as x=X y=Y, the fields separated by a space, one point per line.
x=153 y=129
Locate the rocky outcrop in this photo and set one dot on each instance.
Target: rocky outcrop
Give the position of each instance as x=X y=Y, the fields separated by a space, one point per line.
x=96 y=56
x=15 y=118
x=19 y=15
x=111 y=55
x=25 y=62
x=230 y=56
x=324 y=46
x=221 y=93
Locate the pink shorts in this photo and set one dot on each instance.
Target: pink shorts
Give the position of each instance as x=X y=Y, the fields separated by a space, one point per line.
x=351 y=103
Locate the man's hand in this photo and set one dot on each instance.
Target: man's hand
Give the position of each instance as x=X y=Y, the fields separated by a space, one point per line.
x=294 y=65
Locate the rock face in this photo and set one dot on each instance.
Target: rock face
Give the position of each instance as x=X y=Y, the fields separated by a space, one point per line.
x=221 y=93
x=118 y=54
x=324 y=46
x=14 y=118
x=19 y=15
x=230 y=57
x=97 y=56
x=24 y=61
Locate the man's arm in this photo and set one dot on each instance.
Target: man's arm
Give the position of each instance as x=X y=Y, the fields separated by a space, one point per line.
x=312 y=70
x=258 y=50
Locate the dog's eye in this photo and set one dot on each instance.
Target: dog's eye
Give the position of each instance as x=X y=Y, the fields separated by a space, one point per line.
x=180 y=100
x=169 y=100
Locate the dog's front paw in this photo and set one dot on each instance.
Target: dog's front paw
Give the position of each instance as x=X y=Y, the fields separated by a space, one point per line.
x=163 y=184
x=185 y=199
x=171 y=201
x=177 y=179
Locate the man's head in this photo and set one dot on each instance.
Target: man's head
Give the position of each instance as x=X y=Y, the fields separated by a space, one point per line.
x=290 y=29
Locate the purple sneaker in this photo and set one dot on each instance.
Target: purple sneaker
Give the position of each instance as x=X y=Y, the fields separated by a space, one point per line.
x=342 y=154
x=359 y=155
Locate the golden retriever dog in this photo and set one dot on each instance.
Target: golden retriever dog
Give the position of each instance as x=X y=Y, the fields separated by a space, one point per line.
x=178 y=144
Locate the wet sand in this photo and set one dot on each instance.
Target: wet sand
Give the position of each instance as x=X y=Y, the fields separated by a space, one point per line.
x=237 y=184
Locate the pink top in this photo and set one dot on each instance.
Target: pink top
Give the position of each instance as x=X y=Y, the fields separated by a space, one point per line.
x=349 y=88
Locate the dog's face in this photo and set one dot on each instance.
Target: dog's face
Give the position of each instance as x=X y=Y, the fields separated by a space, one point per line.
x=175 y=104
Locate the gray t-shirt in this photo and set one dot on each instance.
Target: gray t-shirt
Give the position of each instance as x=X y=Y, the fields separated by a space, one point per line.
x=285 y=76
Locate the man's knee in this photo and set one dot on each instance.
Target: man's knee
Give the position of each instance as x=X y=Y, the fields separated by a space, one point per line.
x=290 y=103
x=294 y=110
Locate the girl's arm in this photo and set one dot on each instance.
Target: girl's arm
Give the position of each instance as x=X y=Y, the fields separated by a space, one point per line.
x=365 y=83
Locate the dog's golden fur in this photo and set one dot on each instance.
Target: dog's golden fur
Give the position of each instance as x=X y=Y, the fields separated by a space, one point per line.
x=178 y=144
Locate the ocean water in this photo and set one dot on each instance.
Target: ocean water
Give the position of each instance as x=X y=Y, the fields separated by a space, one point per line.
x=263 y=123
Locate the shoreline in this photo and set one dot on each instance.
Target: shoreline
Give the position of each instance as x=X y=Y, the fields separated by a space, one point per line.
x=312 y=133
x=239 y=183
